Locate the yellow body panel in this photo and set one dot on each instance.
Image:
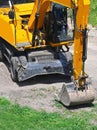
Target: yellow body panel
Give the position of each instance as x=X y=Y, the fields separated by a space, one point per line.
x=8 y=27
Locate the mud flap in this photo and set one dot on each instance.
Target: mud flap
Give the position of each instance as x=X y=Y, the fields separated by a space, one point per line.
x=69 y=96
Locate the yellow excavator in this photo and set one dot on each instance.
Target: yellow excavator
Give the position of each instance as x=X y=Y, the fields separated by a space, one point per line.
x=35 y=39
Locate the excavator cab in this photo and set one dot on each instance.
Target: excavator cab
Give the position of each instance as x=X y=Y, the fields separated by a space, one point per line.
x=56 y=26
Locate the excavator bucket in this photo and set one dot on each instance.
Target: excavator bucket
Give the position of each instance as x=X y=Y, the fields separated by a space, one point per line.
x=69 y=96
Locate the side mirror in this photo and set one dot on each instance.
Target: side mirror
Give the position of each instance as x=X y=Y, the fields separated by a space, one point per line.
x=11 y=14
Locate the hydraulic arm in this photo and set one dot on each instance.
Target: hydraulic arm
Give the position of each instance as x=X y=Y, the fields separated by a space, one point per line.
x=84 y=92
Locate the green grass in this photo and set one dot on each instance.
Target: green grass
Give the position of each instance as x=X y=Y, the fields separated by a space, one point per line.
x=14 y=117
x=93 y=13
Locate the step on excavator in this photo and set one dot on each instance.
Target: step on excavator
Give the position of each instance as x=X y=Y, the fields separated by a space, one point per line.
x=35 y=39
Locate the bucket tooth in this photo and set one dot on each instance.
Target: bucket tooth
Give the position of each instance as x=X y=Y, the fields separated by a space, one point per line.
x=70 y=97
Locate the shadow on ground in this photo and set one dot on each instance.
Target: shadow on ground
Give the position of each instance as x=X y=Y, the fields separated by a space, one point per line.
x=45 y=79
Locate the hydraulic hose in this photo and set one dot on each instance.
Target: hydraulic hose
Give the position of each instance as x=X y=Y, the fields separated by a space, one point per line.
x=36 y=23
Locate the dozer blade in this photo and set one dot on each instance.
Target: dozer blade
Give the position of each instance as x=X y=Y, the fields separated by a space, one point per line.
x=69 y=96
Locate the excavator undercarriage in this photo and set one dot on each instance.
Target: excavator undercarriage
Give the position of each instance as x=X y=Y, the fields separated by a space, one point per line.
x=36 y=40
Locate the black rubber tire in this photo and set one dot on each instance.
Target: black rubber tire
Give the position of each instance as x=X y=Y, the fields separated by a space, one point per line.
x=1 y=55
x=13 y=67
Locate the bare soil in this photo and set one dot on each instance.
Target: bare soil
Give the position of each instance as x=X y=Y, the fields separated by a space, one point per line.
x=39 y=92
